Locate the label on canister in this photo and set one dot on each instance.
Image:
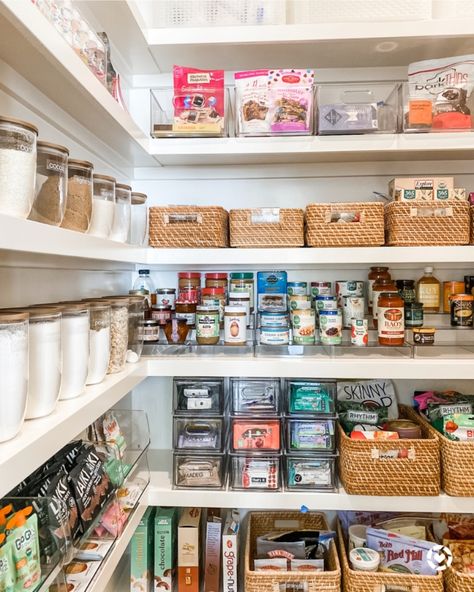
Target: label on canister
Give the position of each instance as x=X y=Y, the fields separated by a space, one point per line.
x=297 y=288
x=274 y=335
x=320 y=289
x=274 y=319
x=166 y=298
x=299 y=301
x=330 y=327
x=391 y=322
x=353 y=308
x=326 y=303
x=348 y=288
x=304 y=326
x=235 y=328
x=359 y=332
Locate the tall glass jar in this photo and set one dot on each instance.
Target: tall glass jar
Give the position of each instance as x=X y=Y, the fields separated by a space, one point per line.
x=17 y=166
x=75 y=349
x=51 y=184
x=139 y=220
x=45 y=363
x=375 y=274
x=103 y=206
x=243 y=282
x=136 y=320
x=122 y=213
x=118 y=334
x=380 y=285
x=79 y=195
x=99 y=337
x=13 y=373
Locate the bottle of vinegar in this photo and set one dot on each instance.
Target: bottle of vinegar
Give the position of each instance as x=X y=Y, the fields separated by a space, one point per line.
x=428 y=291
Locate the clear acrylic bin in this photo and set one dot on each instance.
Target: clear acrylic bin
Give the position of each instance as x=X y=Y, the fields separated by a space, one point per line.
x=445 y=110
x=255 y=396
x=206 y=433
x=199 y=395
x=255 y=434
x=362 y=108
x=315 y=435
x=259 y=472
x=310 y=472
x=199 y=471
x=201 y=119
x=305 y=397
x=193 y=349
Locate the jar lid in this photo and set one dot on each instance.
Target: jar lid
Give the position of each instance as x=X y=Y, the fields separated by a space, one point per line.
x=235 y=309
x=99 y=305
x=13 y=317
x=265 y=313
x=364 y=558
x=301 y=284
x=241 y=275
x=405 y=282
x=43 y=312
x=123 y=186
x=203 y=308
x=97 y=177
x=414 y=304
x=151 y=323
x=161 y=307
x=74 y=306
x=72 y=162
x=187 y=275
x=425 y=330
x=166 y=291
x=216 y=276
x=379 y=268
x=462 y=297
x=326 y=298
x=20 y=122
x=43 y=144
x=212 y=291
x=138 y=198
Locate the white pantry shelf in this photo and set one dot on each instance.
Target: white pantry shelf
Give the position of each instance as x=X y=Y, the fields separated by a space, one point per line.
x=40 y=438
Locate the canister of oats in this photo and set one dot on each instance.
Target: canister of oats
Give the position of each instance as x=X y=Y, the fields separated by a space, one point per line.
x=359 y=332
x=353 y=307
x=304 y=325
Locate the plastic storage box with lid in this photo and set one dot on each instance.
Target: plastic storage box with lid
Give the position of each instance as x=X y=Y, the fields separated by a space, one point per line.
x=103 y=206
x=361 y=108
x=310 y=472
x=122 y=213
x=305 y=397
x=255 y=434
x=199 y=395
x=311 y=435
x=199 y=471
x=204 y=433
x=255 y=396
x=77 y=215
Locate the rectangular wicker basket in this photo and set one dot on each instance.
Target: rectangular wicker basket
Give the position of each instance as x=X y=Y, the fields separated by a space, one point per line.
x=471 y=208
x=264 y=522
x=364 y=470
x=457 y=463
x=412 y=225
x=266 y=227
x=459 y=582
x=188 y=227
x=371 y=581
x=323 y=230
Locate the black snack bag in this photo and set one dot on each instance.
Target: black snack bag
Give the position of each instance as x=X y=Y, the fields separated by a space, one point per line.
x=69 y=454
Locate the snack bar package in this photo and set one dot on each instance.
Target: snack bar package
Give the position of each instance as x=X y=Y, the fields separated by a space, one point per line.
x=291 y=100
x=252 y=102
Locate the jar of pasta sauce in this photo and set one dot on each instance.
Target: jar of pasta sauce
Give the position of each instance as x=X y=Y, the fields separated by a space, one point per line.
x=380 y=285
x=375 y=273
x=391 y=319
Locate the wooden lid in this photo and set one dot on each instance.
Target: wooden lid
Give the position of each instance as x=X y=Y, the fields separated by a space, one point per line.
x=13 y=317
x=42 y=144
x=104 y=178
x=20 y=122
x=72 y=162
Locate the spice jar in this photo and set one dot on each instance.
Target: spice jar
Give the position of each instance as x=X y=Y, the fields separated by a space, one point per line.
x=407 y=290
x=166 y=297
x=375 y=273
x=161 y=314
x=79 y=196
x=186 y=309
x=17 y=166
x=380 y=285
x=217 y=280
x=103 y=206
x=13 y=372
x=450 y=288
x=391 y=317
x=75 y=349
x=189 y=280
x=241 y=299
x=244 y=282
x=151 y=331
x=414 y=314
x=99 y=340
x=461 y=310
x=139 y=220
x=122 y=213
x=235 y=325
x=176 y=330
x=136 y=318
x=215 y=297
x=51 y=184
x=118 y=334
x=207 y=325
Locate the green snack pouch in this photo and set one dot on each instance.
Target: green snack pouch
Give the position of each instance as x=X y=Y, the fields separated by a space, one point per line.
x=355 y=416
x=7 y=567
x=311 y=397
x=459 y=427
x=22 y=535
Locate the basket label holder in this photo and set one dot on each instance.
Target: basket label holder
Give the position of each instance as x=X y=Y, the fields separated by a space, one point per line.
x=431 y=212
x=179 y=218
x=377 y=454
x=265 y=216
x=290 y=587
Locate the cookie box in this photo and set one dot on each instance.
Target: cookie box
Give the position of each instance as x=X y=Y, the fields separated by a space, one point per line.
x=311 y=435
x=199 y=471
x=258 y=434
x=310 y=397
x=255 y=396
x=199 y=395
x=198 y=434
x=310 y=472
x=261 y=472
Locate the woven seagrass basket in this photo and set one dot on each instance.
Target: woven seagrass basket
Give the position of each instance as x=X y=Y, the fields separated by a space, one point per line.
x=367 y=468
x=459 y=582
x=323 y=230
x=266 y=227
x=471 y=208
x=264 y=522
x=374 y=581
x=457 y=463
x=188 y=227
x=412 y=225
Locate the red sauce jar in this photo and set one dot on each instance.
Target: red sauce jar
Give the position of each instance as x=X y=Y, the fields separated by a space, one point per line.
x=391 y=319
x=381 y=285
x=375 y=273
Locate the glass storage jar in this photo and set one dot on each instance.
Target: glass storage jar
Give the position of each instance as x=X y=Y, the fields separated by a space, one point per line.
x=118 y=334
x=215 y=296
x=136 y=319
x=407 y=290
x=103 y=206
x=99 y=333
x=122 y=213
x=51 y=184
x=375 y=274
x=391 y=319
x=217 y=280
x=17 y=166
x=79 y=195
x=13 y=372
x=380 y=285
x=151 y=331
x=243 y=282
x=189 y=280
x=75 y=349
x=413 y=314
x=186 y=309
x=45 y=363
x=139 y=220
x=207 y=325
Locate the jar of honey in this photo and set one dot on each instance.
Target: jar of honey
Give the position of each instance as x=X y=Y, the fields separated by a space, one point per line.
x=391 y=319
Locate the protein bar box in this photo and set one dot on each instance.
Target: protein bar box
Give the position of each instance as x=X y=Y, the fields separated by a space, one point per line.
x=142 y=554
x=166 y=523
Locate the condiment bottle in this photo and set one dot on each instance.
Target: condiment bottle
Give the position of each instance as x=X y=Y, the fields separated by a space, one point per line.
x=391 y=319
x=380 y=285
x=375 y=273
x=428 y=291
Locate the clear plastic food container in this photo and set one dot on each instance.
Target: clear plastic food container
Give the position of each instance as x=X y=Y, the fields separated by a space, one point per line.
x=79 y=195
x=122 y=213
x=255 y=396
x=255 y=434
x=118 y=334
x=136 y=322
x=199 y=471
x=199 y=395
x=75 y=349
x=311 y=435
x=103 y=206
x=205 y=433
x=139 y=220
x=99 y=353
x=310 y=397
x=261 y=472
x=310 y=472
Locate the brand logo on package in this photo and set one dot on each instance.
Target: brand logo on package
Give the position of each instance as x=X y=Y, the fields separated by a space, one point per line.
x=333 y=117
x=440 y=557
x=199 y=78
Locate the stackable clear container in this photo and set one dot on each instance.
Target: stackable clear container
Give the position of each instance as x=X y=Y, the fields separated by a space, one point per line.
x=199 y=471
x=79 y=196
x=99 y=339
x=13 y=372
x=259 y=472
x=305 y=397
x=255 y=434
x=136 y=321
x=122 y=213
x=199 y=395
x=51 y=184
x=103 y=206
x=118 y=334
x=255 y=396
x=360 y=108
x=139 y=220
x=316 y=473
x=17 y=166
x=315 y=435
x=75 y=349
x=206 y=433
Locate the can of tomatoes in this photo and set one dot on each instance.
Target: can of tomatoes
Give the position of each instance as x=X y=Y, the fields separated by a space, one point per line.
x=359 y=332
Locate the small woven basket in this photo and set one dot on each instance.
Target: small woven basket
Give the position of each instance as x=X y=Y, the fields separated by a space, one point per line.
x=471 y=208
x=323 y=230
x=266 y=227
x=459 y=582
x=261 y=523
x=412 y=225
x=366 y=468
x=457 y=463
x=188 y=227
x=374 y=581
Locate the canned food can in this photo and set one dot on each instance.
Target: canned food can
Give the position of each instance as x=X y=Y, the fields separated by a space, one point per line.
x=330 y=327
x=461 y=310
x=304 y=326
x=274 y=319
x=299 y=301
x=297 y=288
x=359 y=332
x=326 y=303
x=348 y=288
x=274 y=335
x=353 y=307
x=320 y=289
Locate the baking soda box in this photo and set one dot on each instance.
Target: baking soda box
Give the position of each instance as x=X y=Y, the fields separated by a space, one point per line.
x=166 y=522
x=142 y=554
x=230 y=557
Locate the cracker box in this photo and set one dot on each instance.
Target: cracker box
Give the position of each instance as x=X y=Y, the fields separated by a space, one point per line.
x=142 y=554
x=230 y=556
x=212 y=564
x=188 y=550
x=166 y=522
x=421 y=188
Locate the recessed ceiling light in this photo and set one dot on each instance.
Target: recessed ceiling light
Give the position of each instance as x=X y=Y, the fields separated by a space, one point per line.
x=386 y=46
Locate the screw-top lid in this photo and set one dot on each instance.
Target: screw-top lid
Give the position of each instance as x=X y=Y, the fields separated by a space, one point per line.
x=428 y=270
x=241 y=276
x=216 y=276
x=138 y=198
x=143 y=271
x=123 y=186
x=235 y=309
x=187 y=275
x=43 y=312
x=239 y=295
x=212 y=291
